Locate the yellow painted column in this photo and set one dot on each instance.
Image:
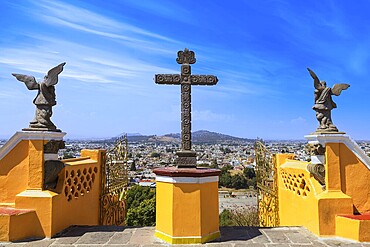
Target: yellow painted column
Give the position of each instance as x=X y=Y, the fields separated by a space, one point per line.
x=332 y=167
x=36 y=164
x=187 y=205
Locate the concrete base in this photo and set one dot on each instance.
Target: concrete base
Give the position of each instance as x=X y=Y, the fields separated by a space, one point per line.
x=18 y=224
x=187 y=240
x=356 y=227
x=187 y=205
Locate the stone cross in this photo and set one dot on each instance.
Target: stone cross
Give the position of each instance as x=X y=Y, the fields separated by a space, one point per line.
x=186 y=157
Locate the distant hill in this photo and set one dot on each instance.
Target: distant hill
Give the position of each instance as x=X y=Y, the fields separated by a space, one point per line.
x=198 y=137
x=204 y=136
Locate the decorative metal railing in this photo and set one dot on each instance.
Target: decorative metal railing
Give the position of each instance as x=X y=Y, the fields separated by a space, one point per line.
x=114 y=181
x=268 y=201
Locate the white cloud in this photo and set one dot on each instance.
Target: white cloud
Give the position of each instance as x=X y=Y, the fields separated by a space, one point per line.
x=59 y=13
x=84 y=63
x=210 y=116
x=169 y=9
x=298 y=120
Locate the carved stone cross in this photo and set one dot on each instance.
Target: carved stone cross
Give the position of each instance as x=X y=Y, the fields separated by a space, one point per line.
x=186 y=157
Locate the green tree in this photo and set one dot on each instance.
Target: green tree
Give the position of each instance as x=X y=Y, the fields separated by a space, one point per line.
x=225 y=180
x=155 y=155
x=68 y=155
x=204 y=165
x=133 y=166
x=252 y=182
x=238 y=182
x=239 y=216
x=143 y=215
x=249 y=173
x=214 y=164
x=137 y=194
x=226 y=168
x=140 y=206
x=226 y=218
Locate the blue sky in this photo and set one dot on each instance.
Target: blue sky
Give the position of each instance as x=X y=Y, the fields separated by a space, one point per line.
x=258 y=49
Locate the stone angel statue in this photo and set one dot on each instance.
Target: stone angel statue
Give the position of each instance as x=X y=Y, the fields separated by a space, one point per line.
x=324 y=102
x=45 y=98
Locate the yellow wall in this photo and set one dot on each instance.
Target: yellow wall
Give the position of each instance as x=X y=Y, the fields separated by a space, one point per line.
x=187 y=212
x=36 y=164
x=77 y=201
x=14 y=172
x=164 y=207
x=347 y=191
x=352 y=228
x=209 y=222
x=83 y=207
x=297 y=203
x=302 y=201
x=355 y=178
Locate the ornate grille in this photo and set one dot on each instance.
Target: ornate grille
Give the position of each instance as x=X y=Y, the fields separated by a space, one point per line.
x=268 y=203
x=114 y=183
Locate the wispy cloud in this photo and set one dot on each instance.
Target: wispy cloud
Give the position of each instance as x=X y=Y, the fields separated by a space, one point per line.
x=64 y=14
x=120 y=31
x=102 y=67
x=209 y=116
x=168 y=9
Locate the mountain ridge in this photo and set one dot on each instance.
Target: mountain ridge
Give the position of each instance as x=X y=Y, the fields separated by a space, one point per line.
x=198 y=137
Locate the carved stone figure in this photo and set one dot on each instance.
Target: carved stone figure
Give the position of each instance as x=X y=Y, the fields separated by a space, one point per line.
x=324 y=102
x=318 y=172
x=52 y=167
x=45 y=98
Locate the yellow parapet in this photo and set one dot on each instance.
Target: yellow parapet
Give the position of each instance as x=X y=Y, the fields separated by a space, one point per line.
x=340 y=205
x=187 y=205
x=26 y=208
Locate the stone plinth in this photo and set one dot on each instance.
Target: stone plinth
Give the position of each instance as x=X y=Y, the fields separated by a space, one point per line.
x=186 y=159
x=187 y=205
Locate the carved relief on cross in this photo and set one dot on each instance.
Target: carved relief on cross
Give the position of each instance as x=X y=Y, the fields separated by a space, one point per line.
x=186 y=80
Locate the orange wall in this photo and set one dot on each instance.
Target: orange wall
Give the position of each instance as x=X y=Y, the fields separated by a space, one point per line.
x=355 y=179
x=14 y=172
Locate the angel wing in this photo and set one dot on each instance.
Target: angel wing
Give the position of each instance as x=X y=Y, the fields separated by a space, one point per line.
x=337 y=88
x=52 y=77
x=316 y=81
x=30 y=81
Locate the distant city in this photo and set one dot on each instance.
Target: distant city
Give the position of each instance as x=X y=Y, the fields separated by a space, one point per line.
x=214 y=150
x=148 y=151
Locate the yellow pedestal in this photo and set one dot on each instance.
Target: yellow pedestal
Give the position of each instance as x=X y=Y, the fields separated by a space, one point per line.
x=187 y=205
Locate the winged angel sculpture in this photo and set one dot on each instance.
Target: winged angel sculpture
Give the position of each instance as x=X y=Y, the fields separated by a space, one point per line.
x=324 y=102
x=45 y=98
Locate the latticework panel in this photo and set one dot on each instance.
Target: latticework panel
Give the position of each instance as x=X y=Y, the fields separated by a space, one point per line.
x=79 y=181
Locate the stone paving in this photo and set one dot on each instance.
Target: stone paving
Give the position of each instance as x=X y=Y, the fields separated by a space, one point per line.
x=144 y=237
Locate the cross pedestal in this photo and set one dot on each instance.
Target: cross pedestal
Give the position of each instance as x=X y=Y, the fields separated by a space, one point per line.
x=186 y=196
x=187 y=205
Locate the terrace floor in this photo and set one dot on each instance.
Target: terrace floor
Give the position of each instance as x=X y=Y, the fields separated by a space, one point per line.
x=144 y=237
